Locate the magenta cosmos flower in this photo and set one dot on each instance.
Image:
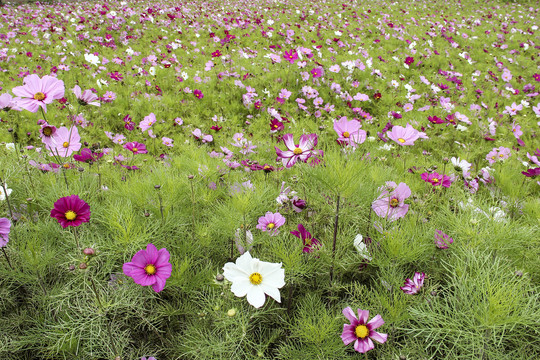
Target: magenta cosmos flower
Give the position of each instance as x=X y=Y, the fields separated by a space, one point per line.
x=349 y=132
x=437 y=179
x=5 y=227
x=310 y=243
x=85 y=98
x=302 y=151
x=65 y=141
x=442 y=240
x=290 y=56
x=411 y=287
x=149 y=267
x=271 y=222
x=136 y=148
x=37 y=92
x=390 y=204
x=404 y=135
x=362 y=332
x=71 y=211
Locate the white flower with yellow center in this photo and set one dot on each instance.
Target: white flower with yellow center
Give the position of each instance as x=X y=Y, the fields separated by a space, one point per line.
x=255 y=278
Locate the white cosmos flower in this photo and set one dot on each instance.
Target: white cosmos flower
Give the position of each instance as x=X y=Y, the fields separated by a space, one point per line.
x=92 y=59
x=361 y=247
x=255 y=278
x=3 y=194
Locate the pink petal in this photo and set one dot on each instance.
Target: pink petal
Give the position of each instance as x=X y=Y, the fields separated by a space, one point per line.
x=348 y=335
x=364 y=345
x=376 y=322
x=349 y=314
x=363 y=316
x=378 y=337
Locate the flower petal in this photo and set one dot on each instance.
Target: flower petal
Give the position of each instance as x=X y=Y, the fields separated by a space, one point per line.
x=256 y=296
x=376 y=322
x=378 y=337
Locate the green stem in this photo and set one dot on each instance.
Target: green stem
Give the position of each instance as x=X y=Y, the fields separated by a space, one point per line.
x=7 y=258
x=336 y=221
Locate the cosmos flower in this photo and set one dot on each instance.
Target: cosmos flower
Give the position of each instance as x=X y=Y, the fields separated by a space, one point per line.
x=87 y=156
x=85 y=98
x=349 y=132
x=7 y=102
x=5 y=227
x=47 y=133
x=293 y=153
x=437 y=179
x=71 y=211
x=310 y=243
x=147 y=122
x=65 y=141
x=404 y=135
x=136 y=148
x=36 y=92
x=362 y=332
x=198 y=134
x=255 y=278
x=149 y=267
x=442 y=240
x=390 y=204
x=271 y=222
x=412 y=287
x=290 y=56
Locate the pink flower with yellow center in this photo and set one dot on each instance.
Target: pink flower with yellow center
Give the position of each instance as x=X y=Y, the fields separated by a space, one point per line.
x=362 y=332
x=38 y=92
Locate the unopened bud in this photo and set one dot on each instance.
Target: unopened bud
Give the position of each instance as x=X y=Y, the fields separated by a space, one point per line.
x=89 y=251
x=190 y=177
x=83 y=266
x=220 y=277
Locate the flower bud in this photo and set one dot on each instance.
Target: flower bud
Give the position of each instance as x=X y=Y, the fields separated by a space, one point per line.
x=220 y=277
x=231 y=312
x=83 y=266
x=89 y=252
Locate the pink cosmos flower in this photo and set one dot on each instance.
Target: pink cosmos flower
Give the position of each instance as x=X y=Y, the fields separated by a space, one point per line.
x=5 y=227
x=85 y=98
x=149 y=267
x=442 y=240
x=437 y=179
x=290 y=56
x=404 y=135
x=516 y=130
x=362 y=332
x=412 y=287
x=71 y=211
x=136 y=148
x=7 y=102
x=167 y=141
x=198 y=134
x=198 y=94
x=317 y=72
x=271 y=222
x=310 y=243
x=37 y=92
x=147 y=122
x=293 y=153
x=391 y=203
x=47 y=133
x=349 y=132
x=65 y=141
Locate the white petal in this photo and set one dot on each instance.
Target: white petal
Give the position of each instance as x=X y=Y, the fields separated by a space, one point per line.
x=271 y=291
x=233 y=272
x=245 y=262
x=256 y=296
x=241 y=287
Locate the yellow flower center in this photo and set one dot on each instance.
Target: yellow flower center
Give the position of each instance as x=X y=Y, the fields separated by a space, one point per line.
x=135 y=150
x=346 y=134
x=501 y=155
x=66 y=166
x=70 y=215
x=39 y=96
x=150 y=269
x=255 y=278
x=65 y=144
x=47 y=131
x=308 y=241
x=435 y=180
x=401 y=140
x=266 y=167
x=270 y=226
x=394 y=202
x=297 y=151
x=238 y=138
x=361 y=331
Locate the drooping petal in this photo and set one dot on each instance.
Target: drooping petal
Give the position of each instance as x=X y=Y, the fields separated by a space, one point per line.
x=349 y=314
x=378 y=337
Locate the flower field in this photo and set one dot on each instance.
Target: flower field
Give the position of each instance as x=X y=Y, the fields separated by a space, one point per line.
x=270 y=180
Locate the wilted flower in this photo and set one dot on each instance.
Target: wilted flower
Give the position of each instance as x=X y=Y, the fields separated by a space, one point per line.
x=442 y=240
x=411 y=287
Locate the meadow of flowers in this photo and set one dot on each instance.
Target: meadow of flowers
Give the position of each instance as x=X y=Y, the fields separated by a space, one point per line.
x=270 y=180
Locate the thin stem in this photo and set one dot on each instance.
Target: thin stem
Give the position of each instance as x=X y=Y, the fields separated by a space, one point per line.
x=160 y=206
x=76 y=238
x=192 y=210
x=102 y=309
x=7 y=258
x=7 y=199
x=336 y=221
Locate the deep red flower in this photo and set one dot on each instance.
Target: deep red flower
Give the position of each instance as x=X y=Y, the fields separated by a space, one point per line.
x=71 y=211
x=310 y=243
x=532 y=172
